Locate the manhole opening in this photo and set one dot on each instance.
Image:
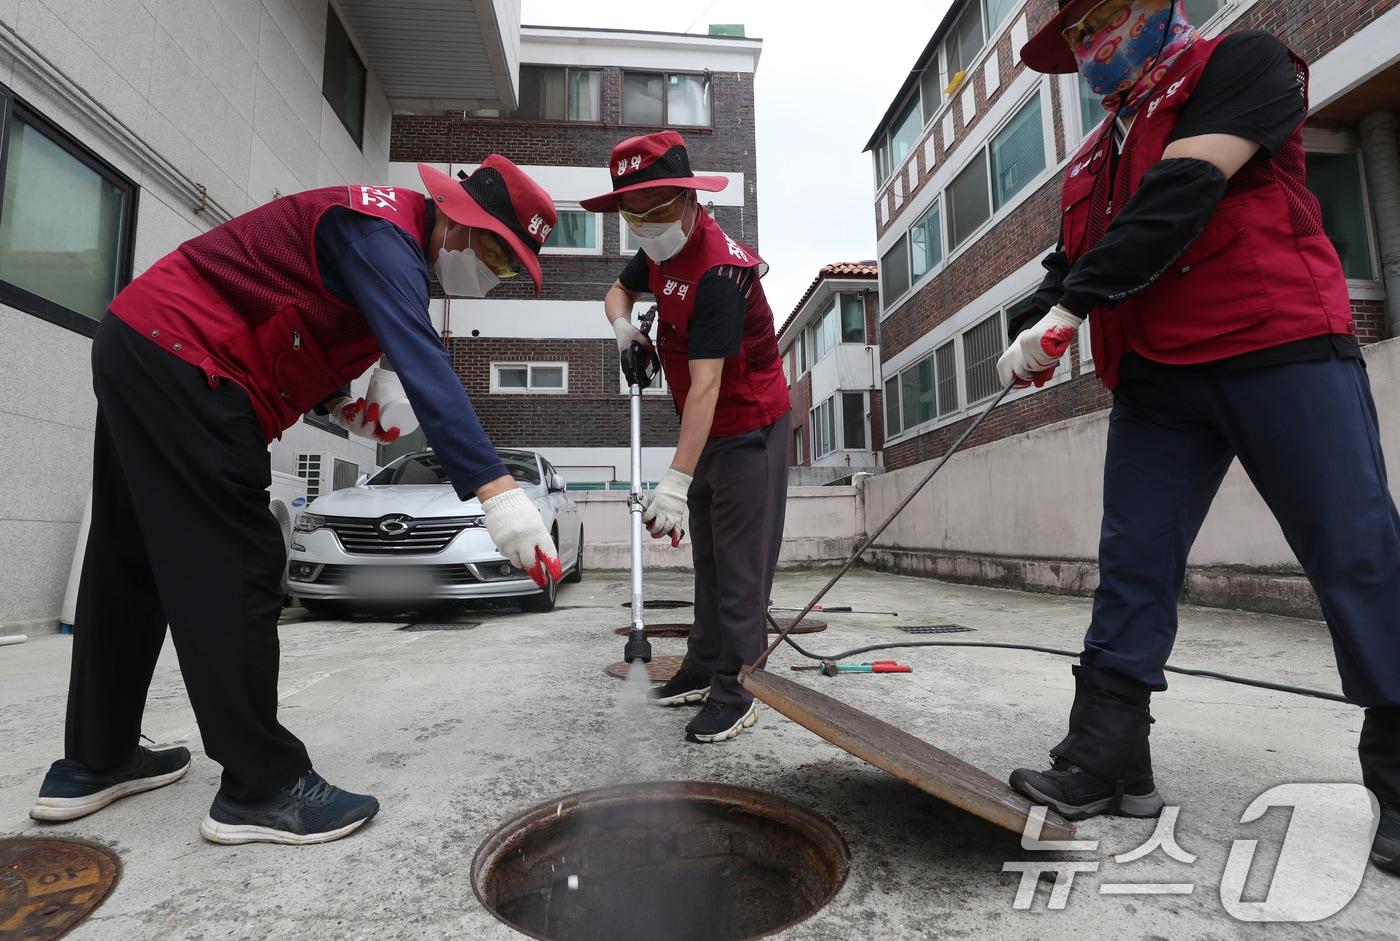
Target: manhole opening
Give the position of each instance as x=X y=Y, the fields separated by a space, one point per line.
x=935 y=629
x=686 y=861
x=445 y=626
x=662 y=604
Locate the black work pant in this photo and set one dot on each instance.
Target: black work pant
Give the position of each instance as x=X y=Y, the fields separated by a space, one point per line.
x=1307 y=435
x=738 y=499
x=180 y=534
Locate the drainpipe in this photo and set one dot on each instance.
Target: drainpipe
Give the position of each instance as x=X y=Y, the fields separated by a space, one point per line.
x=1381 y=152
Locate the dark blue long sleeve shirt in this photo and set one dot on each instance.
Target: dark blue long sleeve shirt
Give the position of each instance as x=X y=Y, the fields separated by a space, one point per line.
x=379 y=269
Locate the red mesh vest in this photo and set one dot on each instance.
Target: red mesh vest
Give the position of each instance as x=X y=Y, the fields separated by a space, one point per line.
x=1260 y=274
x=753 y=391
x=244 y=301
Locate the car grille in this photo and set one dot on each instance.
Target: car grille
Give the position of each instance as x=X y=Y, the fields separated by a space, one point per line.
x=422 y=537
x=441 y=574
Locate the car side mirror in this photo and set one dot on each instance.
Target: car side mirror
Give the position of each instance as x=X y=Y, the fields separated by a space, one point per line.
x=557 y=483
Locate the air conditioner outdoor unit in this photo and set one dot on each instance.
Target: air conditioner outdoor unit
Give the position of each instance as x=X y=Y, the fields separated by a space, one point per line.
x=325 y=472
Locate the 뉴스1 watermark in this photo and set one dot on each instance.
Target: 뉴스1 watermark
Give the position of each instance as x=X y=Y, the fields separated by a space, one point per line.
x=1320 y=865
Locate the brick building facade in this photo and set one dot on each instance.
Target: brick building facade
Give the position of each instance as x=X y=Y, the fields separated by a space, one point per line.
x=967 y=199
x=583 y=91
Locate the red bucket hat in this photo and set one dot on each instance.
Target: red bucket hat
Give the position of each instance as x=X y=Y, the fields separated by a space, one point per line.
x=649 y=162
x=500 y=198
x=1047 y=50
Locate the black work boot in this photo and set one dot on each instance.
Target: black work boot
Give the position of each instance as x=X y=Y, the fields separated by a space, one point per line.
x=1379 y=751
x=1104 y=765
x=681 y=689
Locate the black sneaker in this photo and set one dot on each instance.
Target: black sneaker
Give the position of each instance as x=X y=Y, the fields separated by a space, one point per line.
x=1076 y=794
x=1385 y=849
x=309 y=810
x=71 y=791
x=681 y=689
x=718 y=722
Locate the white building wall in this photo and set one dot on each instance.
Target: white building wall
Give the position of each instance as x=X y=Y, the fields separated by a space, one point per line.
x=173 y=93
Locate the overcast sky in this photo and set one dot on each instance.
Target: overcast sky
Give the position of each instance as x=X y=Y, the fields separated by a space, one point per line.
x=827 y=73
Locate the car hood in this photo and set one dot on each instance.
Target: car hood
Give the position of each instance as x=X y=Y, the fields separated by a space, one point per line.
x=417 y=500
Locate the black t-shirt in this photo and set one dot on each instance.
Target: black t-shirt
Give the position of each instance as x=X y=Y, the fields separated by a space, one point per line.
x=721 y=298
x=1251 y=89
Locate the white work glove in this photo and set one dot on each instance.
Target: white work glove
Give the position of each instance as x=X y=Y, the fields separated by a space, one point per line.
x=1033 y=356
x=627 y=334
x=517 y=530
x=360 y=417
x=665 y=507
x=386 y=391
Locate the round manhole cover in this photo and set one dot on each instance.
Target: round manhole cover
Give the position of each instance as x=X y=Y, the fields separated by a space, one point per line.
x=48 y=885
x=681 y=860
x=808 y=626
x=659 y=670
x=662 y=604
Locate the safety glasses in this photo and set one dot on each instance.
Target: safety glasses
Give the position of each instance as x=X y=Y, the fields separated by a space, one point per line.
x=497 y=257
x=669 y=211
x=1097 y=17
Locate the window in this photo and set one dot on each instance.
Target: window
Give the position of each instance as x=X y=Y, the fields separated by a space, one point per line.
x=66 y=223
x=343 y=78
x=965 y=41
x=853 y=421
x=1091 y=112
x=968 y=202
x=852 y=318
x=559 y=94
x=930 y=89
x=824 y=428
x=904 y=133
x=802 y=352
x=917 y=389
x=982 y=346
x=892 y=423
x=894 y=272
x=576 y=233
x=1335 y=180
x=1018 y=153
x=945 y=360
x=530 y=377
x=1198 y=11
x=665 y=98
x=925 y=243
x=824 y=334
x=997 y=11
x=799 y=447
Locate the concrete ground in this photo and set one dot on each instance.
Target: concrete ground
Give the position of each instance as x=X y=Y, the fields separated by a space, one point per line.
x=457 y=731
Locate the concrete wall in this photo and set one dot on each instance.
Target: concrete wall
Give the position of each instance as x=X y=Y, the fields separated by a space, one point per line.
x=173 y=93
x=1024 y=511
x=824 y=525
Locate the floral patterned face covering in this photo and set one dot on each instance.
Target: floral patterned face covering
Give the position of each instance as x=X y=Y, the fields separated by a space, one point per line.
x=1124 y=47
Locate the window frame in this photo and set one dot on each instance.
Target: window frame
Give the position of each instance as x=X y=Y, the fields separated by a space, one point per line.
x=666 y=97
x=1335 y=144
x=597 y=233
x=1046 y=151
x=814 y=422
x=859 y=297
x=529 y=366
x=566 y=69
x=12 y=106
x=865 y=417
x=356 y=135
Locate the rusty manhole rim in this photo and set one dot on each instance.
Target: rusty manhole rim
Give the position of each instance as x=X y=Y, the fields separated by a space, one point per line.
x=811 y=825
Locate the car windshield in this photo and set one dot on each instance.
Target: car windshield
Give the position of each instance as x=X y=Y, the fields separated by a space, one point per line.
x=427 y=469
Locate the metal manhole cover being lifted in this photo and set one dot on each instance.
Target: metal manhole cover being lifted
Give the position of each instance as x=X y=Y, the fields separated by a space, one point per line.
x=659 y=670
x=47 y=886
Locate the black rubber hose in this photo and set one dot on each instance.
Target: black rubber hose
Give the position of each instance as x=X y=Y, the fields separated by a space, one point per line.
x=1061 y=652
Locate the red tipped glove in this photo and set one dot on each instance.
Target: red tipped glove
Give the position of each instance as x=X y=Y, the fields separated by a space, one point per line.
x=515 y=526
x=360 y=417
x=1033 y=356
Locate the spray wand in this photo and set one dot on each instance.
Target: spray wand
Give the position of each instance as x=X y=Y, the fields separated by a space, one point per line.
x=640 y=366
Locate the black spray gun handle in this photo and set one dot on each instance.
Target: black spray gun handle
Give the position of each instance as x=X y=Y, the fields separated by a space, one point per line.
x=640 y=364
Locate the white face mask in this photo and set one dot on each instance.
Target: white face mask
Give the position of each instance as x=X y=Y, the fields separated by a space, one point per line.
x=462 y=274
x=660 y=240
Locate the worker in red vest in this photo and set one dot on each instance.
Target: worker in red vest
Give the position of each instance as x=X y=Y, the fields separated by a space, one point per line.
x=720 y=356
x=207 y=357
x=1220 y=320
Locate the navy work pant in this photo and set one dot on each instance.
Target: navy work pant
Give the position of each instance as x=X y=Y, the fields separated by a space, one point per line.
x=738 y=501
x=1307 y=435
x=181 y=534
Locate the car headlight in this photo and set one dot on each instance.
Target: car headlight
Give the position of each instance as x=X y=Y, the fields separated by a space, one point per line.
x=309 y=523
